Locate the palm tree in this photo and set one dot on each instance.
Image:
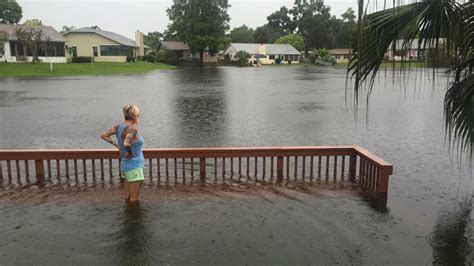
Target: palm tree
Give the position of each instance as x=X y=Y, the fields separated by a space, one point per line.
x=434 y=24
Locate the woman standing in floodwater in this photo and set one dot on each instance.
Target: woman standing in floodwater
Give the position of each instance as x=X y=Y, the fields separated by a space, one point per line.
x=130 y=145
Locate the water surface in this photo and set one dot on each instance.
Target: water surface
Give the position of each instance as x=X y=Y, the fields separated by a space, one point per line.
x=429 y=218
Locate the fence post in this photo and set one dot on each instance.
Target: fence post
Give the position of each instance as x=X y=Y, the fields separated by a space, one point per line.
x=39 y=171
x=202 y=169
x=279 y=169
x=352 y=167
x=382 y=184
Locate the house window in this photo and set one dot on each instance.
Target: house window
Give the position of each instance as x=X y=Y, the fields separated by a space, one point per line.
x=12 y=48
x=59 y=49
x=272 y=57
x=95 y=51
x=115 y=50
x=50 y=50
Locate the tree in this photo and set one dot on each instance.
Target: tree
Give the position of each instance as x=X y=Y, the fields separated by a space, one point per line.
x=426 y=22
x=242 y=57
x=202 y=24
x=311 y=20
x=267 y=34
x=33 y=38
x=153 y=39
x=33 y=22
x=67 y=29
x=10 y=12
x=242 y=34
x=282 y=21
x=293 y=39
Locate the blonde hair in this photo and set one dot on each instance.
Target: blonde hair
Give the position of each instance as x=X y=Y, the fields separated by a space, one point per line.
x=131 y=112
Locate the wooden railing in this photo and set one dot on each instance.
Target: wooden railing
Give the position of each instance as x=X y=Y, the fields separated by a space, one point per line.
x=269 y=165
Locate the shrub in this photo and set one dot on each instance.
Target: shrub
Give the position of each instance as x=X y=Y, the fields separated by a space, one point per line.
x=149 y=58
x=312 y=58
x=130 y=59
x=278 y=60
x=242 y=57
x=81 y=59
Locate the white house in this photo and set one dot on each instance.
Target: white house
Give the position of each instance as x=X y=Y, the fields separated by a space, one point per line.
x=265 y=53
x=50 y=49
x=342 y=55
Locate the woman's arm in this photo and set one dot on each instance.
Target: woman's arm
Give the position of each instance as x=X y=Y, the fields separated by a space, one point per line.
x=106 y=135
x=131 y=134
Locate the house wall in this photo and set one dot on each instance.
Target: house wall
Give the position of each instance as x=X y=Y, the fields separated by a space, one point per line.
x=85 y=41
x=7 y=55
x=111 y=59
x=340 y=58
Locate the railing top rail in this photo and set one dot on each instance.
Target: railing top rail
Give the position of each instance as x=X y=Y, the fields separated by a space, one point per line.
x=372 y=157
x=195 y=152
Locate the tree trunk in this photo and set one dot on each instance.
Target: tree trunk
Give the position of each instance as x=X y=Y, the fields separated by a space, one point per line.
x=306 y=48
x=201 y=57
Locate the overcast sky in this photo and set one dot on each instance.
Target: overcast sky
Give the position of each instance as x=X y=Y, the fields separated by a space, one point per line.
x=126 y=17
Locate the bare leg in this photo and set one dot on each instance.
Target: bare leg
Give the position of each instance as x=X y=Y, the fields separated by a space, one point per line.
x=126 y=187
x=135 y=190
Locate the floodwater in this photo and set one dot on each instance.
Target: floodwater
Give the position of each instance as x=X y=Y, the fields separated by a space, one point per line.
x=429 y=217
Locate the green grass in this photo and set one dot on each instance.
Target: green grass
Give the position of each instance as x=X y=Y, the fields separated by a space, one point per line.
x=42 y=70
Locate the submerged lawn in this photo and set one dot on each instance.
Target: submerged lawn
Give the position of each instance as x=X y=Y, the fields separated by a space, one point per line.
x=42 y=70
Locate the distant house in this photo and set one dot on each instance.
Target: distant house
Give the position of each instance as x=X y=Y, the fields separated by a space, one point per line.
x=50 y=49
x=181 y=50
x=264 y=53
x=341 y=54
x=104 y=46
x=413 y=52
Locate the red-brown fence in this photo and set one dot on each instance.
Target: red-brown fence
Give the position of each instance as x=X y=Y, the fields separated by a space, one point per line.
x=273 y=164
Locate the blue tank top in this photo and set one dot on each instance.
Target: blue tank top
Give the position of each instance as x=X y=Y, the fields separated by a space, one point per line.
x=133 y=162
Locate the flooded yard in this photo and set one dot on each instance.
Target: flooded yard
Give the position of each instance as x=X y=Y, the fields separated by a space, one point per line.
x=429 y=217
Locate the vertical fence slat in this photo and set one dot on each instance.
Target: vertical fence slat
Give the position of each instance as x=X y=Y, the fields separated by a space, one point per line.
x=256 y=167
x=93 y=168
x=49 y=168
x=264 y=166
x=271 y=167
x=288 y=167
x=183 y=164
x=110 y=168
x=66 y=162
x=335 y=167
x=176 y=169
x=39 y=171
x=319 y=166
x=311 y=168
x=240 y=167
x=296 y=168
x=102 y=168
x=327 y=168
x=27 y=169
x=248 y=167
x=202 y=169
x=17 y=162
x=215 y=168
x=9 y=169
x=1 y=169
x=58 y=168
x=223 y=168
x=192 y=168
x=231 y=167
x=75 y=169
x=166 y=168
x=150 y=165
x=303 y=172
x=84 y=168
x=158 y=166
x=342 y=166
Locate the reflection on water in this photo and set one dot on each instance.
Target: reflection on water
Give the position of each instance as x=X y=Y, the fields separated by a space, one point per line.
x=449 y=239
x=133 y=247
x=200 y=111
